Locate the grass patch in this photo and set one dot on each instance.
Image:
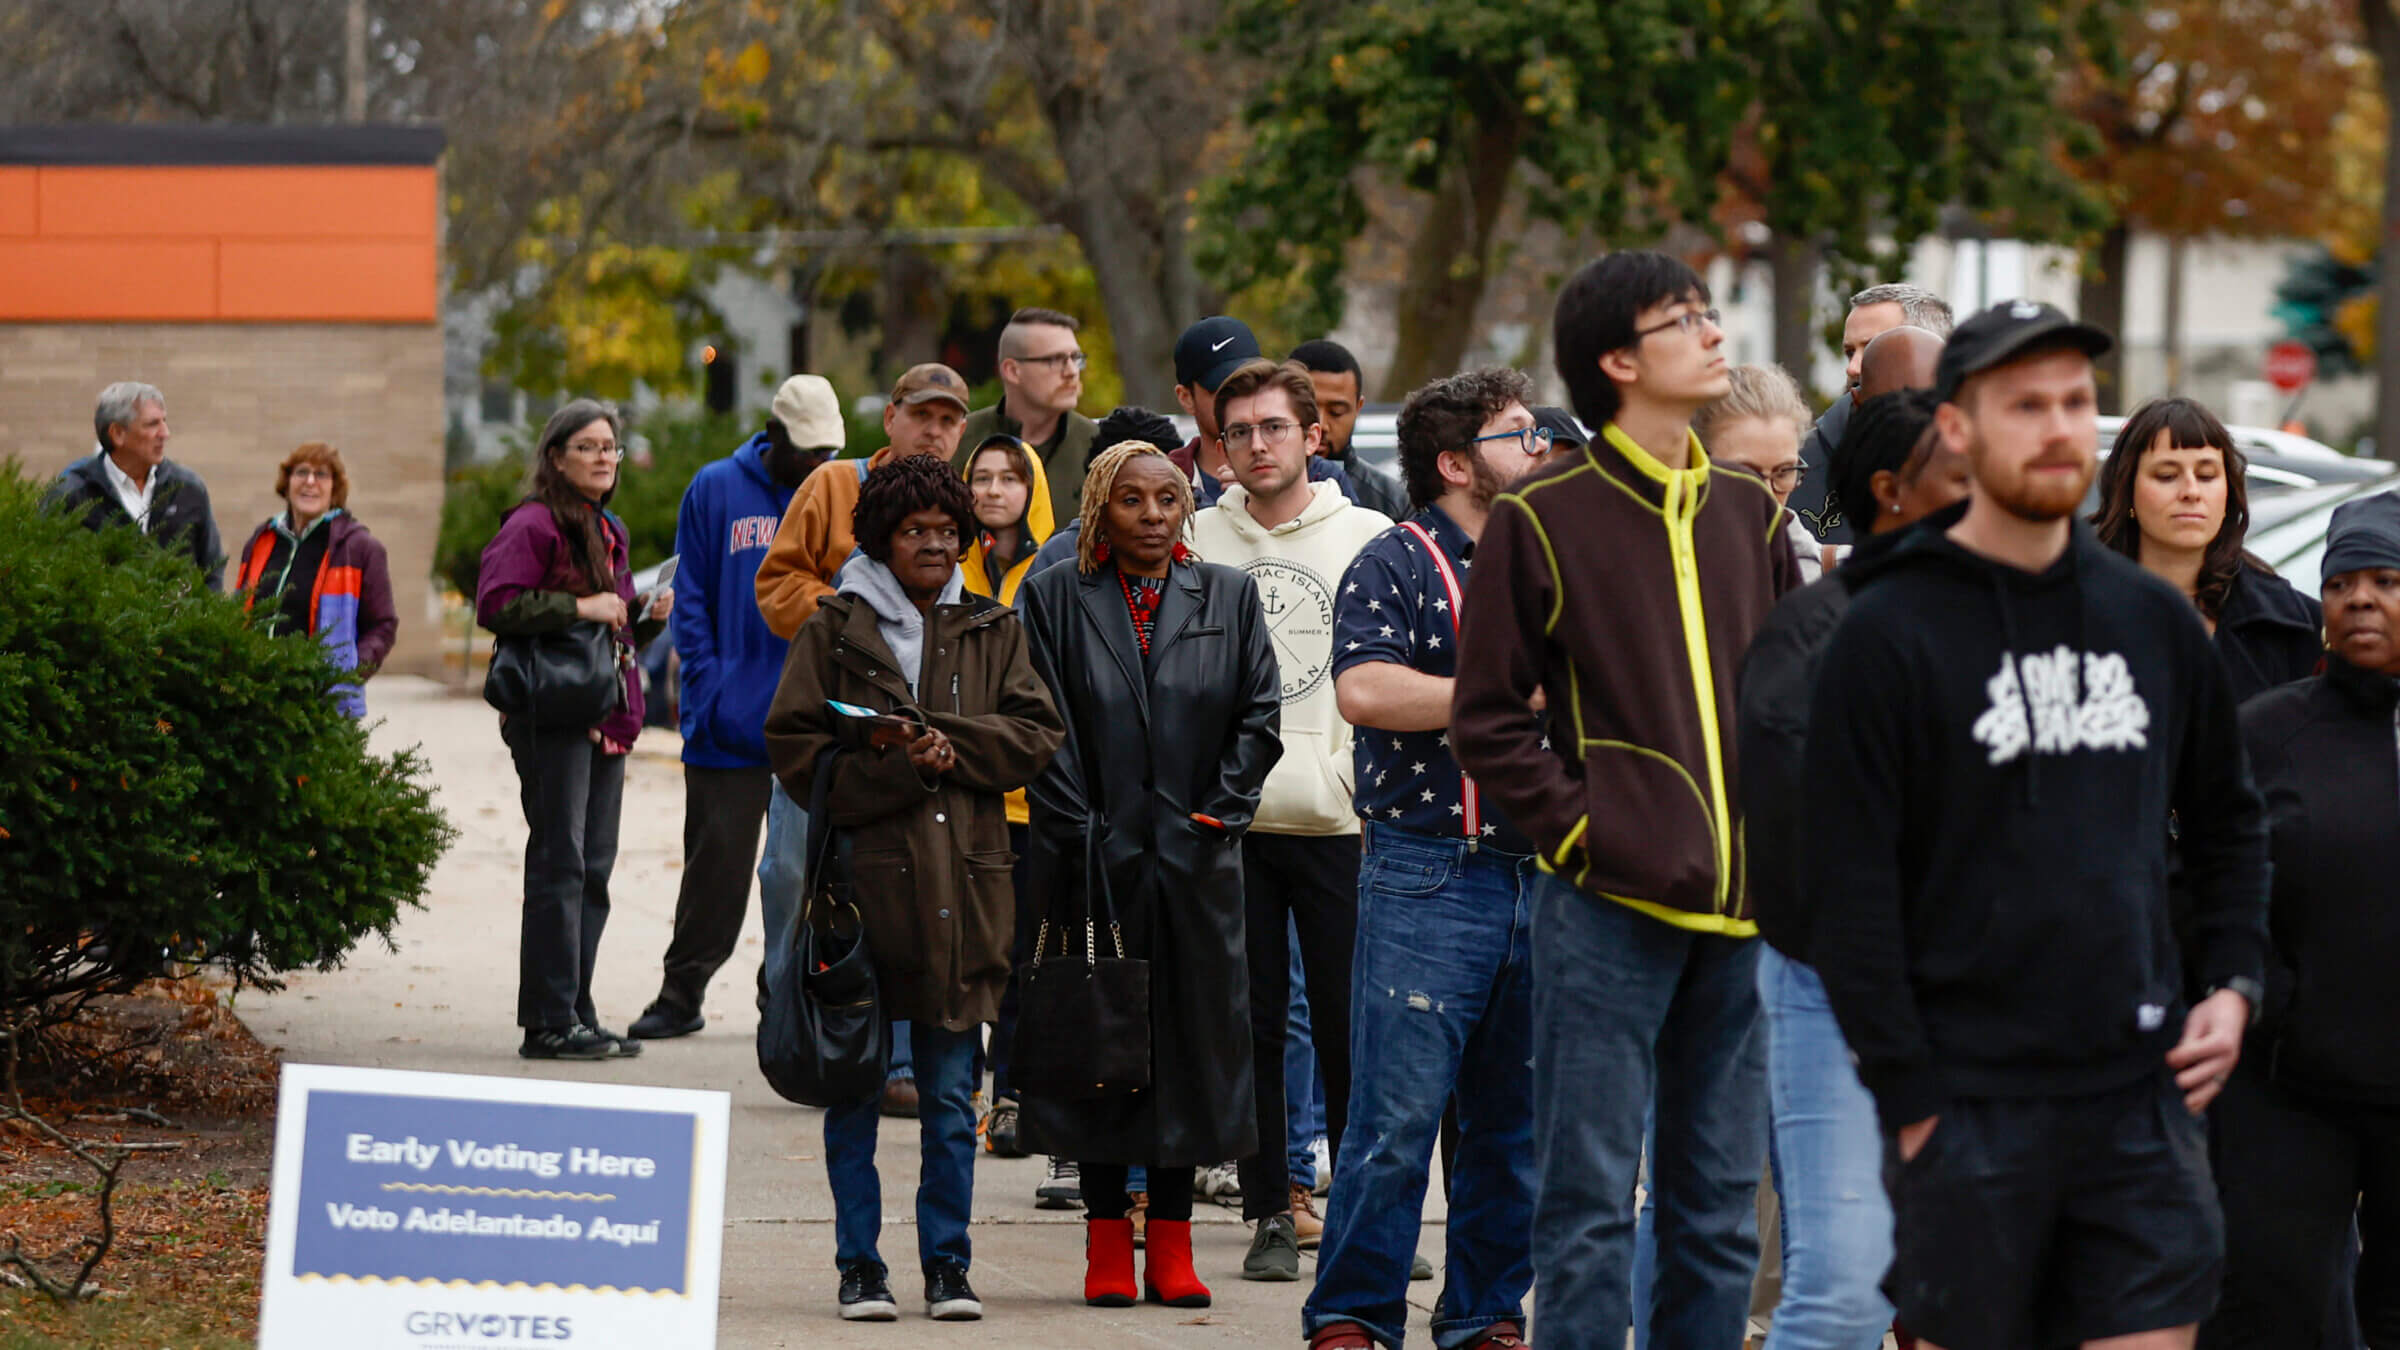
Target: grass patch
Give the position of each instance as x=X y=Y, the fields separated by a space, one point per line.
x=183 y=1274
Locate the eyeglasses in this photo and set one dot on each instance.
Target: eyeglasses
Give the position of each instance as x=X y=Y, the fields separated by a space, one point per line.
x=1689 y=321
x=310 y=471
x=1273 y=432
x=601 y=449
x=1058 y=360
x=1534 y=441
x=1787 y=477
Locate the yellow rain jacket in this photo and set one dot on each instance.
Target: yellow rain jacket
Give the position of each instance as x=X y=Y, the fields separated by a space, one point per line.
x=1038 y=525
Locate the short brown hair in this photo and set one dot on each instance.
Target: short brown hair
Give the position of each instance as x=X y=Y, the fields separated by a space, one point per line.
x=1012 y=337
x=1252 y=377
x=322 y=455
x=1008 y=445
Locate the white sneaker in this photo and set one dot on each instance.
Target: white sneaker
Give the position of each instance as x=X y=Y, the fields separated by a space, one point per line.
x=1220 y=1183
x=1320 y=1155
x=1062 y=1188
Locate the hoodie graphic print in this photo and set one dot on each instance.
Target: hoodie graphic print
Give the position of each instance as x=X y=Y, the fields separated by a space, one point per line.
x=1992 y=760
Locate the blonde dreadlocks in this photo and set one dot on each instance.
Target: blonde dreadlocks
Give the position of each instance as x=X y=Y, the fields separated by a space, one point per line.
x=1097 y=485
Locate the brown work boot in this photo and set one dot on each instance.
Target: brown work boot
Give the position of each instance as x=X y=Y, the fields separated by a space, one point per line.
x=1140 y=1216
x=1306 y=1222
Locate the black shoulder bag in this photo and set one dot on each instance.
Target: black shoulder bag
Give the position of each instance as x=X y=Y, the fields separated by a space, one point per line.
x=1083 y=1018
x=569 y=679
x=822 y=1036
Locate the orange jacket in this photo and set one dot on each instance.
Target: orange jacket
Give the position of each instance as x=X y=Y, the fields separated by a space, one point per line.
x=812 y=543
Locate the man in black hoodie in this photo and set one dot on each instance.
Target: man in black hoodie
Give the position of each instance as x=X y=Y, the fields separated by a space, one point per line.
x=2001 y=728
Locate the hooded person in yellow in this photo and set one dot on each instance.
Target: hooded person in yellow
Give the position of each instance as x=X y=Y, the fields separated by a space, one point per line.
x=1012 y=516
x=1012 y=511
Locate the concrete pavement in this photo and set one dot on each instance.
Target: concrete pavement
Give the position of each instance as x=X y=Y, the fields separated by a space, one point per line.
x=445 y=1002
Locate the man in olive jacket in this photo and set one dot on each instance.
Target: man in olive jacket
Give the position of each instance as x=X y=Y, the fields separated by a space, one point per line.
x=1622 y=585
x=1041 y=379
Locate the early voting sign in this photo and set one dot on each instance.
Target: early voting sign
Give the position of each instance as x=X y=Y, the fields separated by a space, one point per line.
x=427 y=1211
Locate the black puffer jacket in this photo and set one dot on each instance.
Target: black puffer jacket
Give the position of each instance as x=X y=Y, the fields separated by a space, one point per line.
x=179 y=515
x=2325 y=755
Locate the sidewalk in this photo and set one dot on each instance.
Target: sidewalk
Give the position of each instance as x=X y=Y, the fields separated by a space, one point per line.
x=445 y=1002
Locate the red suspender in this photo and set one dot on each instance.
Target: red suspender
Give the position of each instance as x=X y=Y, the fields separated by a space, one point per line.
x=1473 y=825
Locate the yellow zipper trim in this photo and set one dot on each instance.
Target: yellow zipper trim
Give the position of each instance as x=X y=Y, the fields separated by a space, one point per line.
x=1683 y=503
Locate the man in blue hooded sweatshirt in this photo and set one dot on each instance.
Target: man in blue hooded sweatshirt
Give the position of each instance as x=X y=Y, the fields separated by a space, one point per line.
x=731 y=663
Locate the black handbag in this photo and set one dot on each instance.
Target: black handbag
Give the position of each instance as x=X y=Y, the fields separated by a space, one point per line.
x=1083 y=1019
x=570 y=679
x=822 y=1037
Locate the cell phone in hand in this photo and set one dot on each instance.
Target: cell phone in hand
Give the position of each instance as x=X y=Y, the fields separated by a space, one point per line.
x=877 y=730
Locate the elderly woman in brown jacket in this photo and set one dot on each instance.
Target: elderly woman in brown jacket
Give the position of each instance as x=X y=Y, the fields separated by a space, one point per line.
x=925 y=832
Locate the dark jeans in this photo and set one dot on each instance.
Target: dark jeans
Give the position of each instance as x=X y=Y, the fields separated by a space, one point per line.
x=946 y=1174
x=1029 y=918
x=1310 y=881
x=1443 y=1004
x=2293 y=1171
x=571 y=792
x=1627 y=1008
x=722 y=812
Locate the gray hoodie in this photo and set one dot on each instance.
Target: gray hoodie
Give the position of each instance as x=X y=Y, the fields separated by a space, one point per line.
x=896 y=616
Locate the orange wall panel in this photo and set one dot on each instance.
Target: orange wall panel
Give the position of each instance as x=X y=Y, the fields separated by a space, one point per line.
x=70 y=279
x=334 y=282
x=17 y=213
x=276 y=202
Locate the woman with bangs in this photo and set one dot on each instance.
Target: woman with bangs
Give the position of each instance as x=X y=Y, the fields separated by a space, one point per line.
x=2174 y=498
x=319 y=572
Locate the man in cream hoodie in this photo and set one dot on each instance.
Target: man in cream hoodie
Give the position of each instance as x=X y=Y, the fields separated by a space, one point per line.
x=1300 y=857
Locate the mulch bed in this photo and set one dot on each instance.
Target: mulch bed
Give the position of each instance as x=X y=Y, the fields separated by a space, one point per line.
x=167 y=1065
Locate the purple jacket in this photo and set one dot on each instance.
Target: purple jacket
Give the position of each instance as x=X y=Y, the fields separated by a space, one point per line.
x=529 y=554
x=350 y=607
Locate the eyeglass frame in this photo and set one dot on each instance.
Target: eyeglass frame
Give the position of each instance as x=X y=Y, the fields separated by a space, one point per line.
x=1798 y=473
x=1274 y=441
x=1689 y=321
x=1081 y=360
x=1526 y=438
x=613 y=450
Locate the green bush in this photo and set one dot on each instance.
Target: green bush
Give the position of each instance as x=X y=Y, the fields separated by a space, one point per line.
x=176 y=786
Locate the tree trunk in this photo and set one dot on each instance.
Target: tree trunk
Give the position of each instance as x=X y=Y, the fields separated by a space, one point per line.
x=1450 y=260
x=1794 y=265
x=1146 y=283
x=2383 y=34
x=912 y=308
x=2172 y=328
x=2100 y=301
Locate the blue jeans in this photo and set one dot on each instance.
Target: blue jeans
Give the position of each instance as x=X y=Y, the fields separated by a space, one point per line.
x=1837 y=1220
x=946 y=1181
x=1303 y=1086
x=782 y=871
x=1441 y=1006
x=1628 y=1009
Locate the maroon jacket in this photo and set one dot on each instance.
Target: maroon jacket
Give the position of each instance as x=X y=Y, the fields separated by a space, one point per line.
x=529 y=554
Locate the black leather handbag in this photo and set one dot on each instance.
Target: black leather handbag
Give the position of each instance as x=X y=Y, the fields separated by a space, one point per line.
x=1083 y=1018
x=569 y=679
x=822 y=1037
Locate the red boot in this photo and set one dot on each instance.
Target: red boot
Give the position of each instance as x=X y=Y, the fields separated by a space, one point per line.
x=1167 y=1274
x=1108 y=1263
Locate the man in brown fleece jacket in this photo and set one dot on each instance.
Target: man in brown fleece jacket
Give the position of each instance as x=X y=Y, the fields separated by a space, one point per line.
x=1621 y=586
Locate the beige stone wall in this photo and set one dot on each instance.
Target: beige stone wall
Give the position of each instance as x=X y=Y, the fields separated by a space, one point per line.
x=239 y=397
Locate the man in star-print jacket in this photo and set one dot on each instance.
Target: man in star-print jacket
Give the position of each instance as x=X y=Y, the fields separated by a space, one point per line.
x=1441 y=1000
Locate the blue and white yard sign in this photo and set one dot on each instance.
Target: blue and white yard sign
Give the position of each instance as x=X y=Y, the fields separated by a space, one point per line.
x=430 y=1211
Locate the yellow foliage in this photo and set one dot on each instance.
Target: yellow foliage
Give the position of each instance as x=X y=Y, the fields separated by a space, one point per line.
x=2355 y=321
x=751 y=66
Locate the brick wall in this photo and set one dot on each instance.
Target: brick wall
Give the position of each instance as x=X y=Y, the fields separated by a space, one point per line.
x=239 y=397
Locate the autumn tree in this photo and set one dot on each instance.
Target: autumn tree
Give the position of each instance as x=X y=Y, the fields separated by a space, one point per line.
x=2218 y=118
x=2382 y=26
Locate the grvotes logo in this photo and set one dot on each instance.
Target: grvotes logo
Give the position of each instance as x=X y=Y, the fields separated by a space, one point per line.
x=1299 y=608
x=489 y=1326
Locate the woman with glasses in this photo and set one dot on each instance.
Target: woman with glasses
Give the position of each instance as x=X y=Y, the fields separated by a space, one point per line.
x=560 y=559
x=1758 y=426
x=312 y=568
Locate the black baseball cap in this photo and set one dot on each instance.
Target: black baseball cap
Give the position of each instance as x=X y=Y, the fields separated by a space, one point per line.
x=2006 y=332
x=1564 y=429
x=1212 y=349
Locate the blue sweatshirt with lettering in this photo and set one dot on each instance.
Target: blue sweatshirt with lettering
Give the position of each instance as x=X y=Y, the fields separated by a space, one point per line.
x=731 y=659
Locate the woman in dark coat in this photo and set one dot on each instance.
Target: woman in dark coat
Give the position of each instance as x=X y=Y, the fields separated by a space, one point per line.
x=2174 y=497
x=1163 y=671
x=2307 y=1132
x=926 y=834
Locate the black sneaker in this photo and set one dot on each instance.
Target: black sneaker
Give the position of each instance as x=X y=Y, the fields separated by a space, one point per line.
x=948 y=1296
x=566 y=1043
x=1274 y=1253
x=867 y=1293
x=620 y=1046
x=1062 y=1188
x=663 y=1020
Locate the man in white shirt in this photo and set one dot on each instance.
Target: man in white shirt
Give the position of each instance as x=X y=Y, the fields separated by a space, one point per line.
x=130 y=482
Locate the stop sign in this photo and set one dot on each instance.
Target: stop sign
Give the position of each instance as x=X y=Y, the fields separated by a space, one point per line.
x=2291 y=365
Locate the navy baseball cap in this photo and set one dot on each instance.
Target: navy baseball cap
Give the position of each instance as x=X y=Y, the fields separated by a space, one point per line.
x=1212 y=349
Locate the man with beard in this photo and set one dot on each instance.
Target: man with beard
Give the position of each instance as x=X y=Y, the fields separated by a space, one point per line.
x=1443 y=872
x=731 y=661
x=2004 y=722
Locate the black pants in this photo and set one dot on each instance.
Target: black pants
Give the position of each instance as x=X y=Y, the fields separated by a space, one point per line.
x=2294 y=1172
x=1104 y=1194
x=572 y=793
x=723 y=810
x=1314 y=881
x=1029 y=918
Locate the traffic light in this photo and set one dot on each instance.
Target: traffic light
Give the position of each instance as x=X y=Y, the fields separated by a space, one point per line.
x=716 y=366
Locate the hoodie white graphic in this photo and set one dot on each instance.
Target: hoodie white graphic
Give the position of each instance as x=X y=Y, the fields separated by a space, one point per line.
x=2036 y=704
